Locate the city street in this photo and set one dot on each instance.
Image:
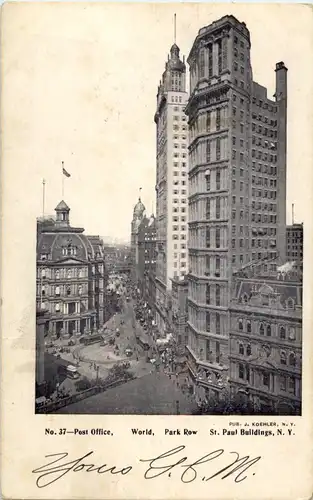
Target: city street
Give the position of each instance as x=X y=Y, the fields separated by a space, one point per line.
x=96 y=360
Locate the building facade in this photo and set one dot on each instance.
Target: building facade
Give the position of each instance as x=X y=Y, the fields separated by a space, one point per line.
x=171 y=182
x=237 y=182
x=138 y=216
x=180 y=310
x=146 y=253
x=42 y=328
x=70 y=277
x=266 y=338
x=294 y=243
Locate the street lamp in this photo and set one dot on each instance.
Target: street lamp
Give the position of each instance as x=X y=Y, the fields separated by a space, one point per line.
x=177 y=407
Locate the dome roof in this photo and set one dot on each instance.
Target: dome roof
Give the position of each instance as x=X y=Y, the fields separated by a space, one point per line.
x=174 y=62
x=62 y=206
x=53 y=244
x=139 y=208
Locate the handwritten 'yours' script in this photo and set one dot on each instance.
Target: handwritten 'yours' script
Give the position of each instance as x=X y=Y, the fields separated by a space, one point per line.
x=171 y=463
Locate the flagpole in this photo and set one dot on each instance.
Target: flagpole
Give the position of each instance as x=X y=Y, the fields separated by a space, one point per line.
x=43 y=197
x=62 y=181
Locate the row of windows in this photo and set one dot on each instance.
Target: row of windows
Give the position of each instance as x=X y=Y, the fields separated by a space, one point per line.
x=177 y=117
x=265 y=119
x=242 y=69
x=176 y=128
x=176 y=137
x=177 y=155
x=177 y=173
x=236 y=42
x=291 y=358
x=258 y=141
x=267 y=132
x=182 y=255
x=176 y=237
x=68 y=290
x=268 y=328
x=264 y=156
x=244 y=374
x=265 y=169
x=264 y=181
x=69 y=273
x=183 y=165
x=260 y=193
x=182 y=209
x=264 y=105
x=176 y=98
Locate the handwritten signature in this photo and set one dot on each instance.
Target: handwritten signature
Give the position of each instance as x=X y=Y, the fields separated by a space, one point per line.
x=157 y=466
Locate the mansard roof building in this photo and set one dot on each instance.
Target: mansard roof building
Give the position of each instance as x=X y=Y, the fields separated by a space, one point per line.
x=266 y=337
x=70 y=276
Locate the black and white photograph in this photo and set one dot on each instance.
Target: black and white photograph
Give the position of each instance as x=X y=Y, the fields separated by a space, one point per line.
x=169 y=226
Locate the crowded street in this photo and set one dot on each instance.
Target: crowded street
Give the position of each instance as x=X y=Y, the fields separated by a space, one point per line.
x=127 y=340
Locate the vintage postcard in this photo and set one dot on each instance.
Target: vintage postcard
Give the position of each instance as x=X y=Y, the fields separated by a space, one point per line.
x=156 y=249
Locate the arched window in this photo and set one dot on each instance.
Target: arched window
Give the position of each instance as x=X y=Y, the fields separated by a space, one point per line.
x=249 y=329
x=245 y=297
x=80 y=290
x=248 y=350
x=261 y=329
x=290 y=303
x=283 y=358
x=241 y=349
x=292 y=359
x=268 y=331
x=57 y=290
x=43 y=273
x=57 y=274
x=240 y=324
x=68 y=290
x=282 y=332
x=69 y=273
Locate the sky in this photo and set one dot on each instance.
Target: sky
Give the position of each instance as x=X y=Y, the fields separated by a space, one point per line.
x=80 y=84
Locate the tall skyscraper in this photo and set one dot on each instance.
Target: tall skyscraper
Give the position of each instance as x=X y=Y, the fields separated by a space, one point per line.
x=138 y=215
x=171 y=181
x=237 y=181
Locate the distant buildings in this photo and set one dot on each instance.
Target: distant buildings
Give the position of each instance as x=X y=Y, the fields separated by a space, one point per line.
x=171 y=182
x=294 y=243
x=70 y=276
x=138 y=215
x=237 y=181
x=117 y=258
x=266 y=337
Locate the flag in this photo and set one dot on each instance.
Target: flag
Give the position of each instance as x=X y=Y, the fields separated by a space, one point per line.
x=65 y=172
